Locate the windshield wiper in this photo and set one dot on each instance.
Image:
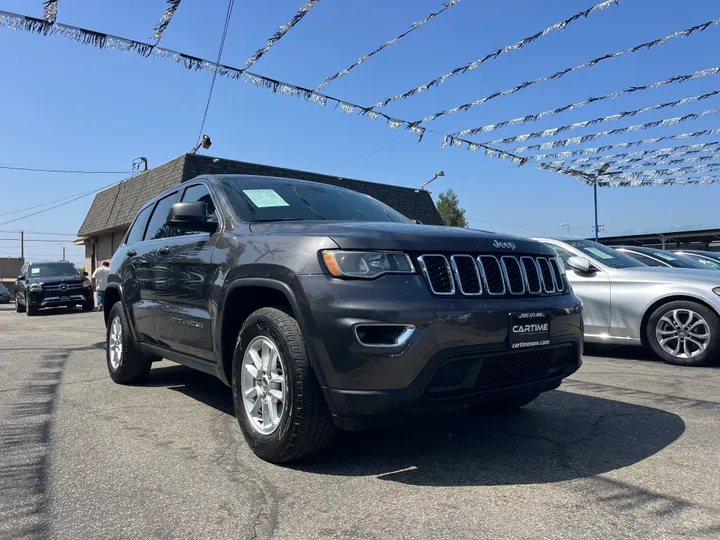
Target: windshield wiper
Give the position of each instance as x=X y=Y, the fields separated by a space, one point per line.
x=279 y=219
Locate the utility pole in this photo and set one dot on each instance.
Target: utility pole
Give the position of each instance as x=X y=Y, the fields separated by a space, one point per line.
x=63 y=253
x=22 y=245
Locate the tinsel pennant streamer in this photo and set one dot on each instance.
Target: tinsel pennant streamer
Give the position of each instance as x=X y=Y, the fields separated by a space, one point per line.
x=304 y=10
x=160 y=28
x=612 y=181
x=495 y=54
x=630 y=157
x=600 y=149
x=385 y=45
x=619 y=116
x=535 y=117
x=585 y=138
x=14 y=21
x=653 y=173
x=562 y=73
x=634 y=163
x=50 y=11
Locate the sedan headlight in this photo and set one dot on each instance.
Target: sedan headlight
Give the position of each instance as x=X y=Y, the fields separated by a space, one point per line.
x=366 y=264
x=35 y=287
x=716 y=290
x=87 y=284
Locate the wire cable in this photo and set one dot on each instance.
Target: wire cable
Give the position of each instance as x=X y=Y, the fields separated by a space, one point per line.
x=63 y=171
x=231 y=4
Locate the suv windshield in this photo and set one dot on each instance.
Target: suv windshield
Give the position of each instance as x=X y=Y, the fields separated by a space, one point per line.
x=52 y=269
x=263 y=199
x=604 y=255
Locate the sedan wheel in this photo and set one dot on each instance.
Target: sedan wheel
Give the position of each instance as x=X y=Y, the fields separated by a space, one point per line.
x=684 y=333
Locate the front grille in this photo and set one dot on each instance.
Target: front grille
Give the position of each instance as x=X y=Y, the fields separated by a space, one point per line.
x=503 y=369
x=508 y=275
x=62 y=287
x=474 y=369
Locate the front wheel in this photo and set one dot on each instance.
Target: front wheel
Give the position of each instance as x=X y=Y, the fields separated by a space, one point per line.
x=278 y=401
x=88 y=306
x=18 y=307
x=31 y=310
x=684 y=333
x=126 y=364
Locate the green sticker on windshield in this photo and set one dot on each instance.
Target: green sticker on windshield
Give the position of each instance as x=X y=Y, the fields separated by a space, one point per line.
x=265 y=198
x=34 y=270
x=599 y=253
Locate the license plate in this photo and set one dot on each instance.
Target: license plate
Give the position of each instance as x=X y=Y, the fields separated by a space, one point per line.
x=529 y=329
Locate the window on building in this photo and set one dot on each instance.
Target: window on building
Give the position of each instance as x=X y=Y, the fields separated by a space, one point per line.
x=135 y=234
x=157 y=227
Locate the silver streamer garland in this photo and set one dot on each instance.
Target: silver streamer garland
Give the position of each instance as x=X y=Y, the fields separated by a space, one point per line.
x=165 y=20
x=493 y=55
x=585 y=138
x=385 y=45
x=612 y=181
x=304 y=10
x=562 y=73
x=619 y=116
x=50 y=11
x=535 y=117
x=643 y=155
x=654 y=173
x=14 y=21
x=599 y=149
x=635 y=163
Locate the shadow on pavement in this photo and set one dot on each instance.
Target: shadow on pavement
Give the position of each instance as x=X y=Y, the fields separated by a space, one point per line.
x=561 y=436
x=622 y=352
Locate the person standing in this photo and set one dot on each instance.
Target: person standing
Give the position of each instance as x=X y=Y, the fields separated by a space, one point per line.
x=99 y=281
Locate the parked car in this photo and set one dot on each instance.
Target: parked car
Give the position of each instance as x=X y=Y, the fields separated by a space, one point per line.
x=322 y=307
x=674 y=311
x=661 y=258
x=4 y=294
x=708 y=258
x=52 y=284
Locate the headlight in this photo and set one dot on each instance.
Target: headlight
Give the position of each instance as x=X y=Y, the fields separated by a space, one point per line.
x=87 y=284
x=35 y=287
x=366 y=264
x=716 y=290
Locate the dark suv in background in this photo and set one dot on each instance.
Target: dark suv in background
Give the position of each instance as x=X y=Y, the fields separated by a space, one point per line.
x=52 y=284
x=322 y=307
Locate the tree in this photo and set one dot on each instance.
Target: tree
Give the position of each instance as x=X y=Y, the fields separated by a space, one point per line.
x=449 y=208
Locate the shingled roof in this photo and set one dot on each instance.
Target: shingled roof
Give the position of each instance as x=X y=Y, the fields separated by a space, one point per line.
x=115 y=207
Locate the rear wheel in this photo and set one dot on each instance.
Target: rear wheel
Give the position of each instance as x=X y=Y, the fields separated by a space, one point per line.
x=19 y=308
x=684 y=333
x=126 y=364
x=278 y=401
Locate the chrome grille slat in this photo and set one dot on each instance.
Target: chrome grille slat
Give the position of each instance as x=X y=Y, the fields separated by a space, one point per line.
x=531 y=273
x=467 y=276
x=439 y=278
x=557 y=274
x=546 y=274
x=492 y=274
x=68 y=287
x=513 y=274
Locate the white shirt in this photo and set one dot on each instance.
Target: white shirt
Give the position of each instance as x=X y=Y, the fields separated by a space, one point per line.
x=101 y=277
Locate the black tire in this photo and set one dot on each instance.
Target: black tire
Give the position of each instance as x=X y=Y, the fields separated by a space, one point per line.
x=712 y=349
x=71 y=306
x=306 y=425
x=512 y=403
x=30 y=310
x=19 y=308
x=88 y=306
x=133 y=366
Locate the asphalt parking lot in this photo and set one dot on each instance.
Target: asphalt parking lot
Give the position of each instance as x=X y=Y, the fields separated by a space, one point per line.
x=627 y=448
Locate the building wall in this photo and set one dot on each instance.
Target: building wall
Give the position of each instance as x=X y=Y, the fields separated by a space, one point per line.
x=102 y=248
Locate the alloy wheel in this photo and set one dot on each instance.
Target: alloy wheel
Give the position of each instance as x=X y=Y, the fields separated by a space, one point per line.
x=682 y=333
x=115 y=345
x=263 y=385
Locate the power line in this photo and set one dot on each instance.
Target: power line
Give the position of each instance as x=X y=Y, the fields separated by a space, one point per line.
x=63 y=171
x=36 y=232
x=36 y=240
x=231 y=3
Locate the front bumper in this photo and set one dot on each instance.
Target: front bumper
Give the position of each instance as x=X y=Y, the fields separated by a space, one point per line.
x=44 y=299
x=458 y=353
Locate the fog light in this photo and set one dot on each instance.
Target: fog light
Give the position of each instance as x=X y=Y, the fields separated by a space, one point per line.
x=383 y=335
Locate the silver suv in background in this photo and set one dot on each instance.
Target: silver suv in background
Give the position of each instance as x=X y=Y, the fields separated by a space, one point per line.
x=674 y=311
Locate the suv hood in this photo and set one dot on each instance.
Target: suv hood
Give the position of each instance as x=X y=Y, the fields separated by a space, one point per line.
x=674 y=275
x=404 y=237
x=57 y=279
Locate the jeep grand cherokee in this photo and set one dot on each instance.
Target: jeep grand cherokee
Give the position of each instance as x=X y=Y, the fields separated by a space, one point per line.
x=322 y=307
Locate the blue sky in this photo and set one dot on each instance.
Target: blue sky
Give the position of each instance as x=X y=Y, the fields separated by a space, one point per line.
x=67 y=105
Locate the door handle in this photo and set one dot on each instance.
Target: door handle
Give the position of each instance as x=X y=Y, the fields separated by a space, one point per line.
x=164 y=250
x=131 y=253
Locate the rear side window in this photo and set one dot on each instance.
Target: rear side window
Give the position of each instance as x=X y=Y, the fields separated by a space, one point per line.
x=644 y=259
x=157 y=228
x=135 y=234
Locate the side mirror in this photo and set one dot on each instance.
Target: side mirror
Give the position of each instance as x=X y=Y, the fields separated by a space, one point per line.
x=20 y=278
x=85 y=274
x=191 y=216
x=580 y=264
